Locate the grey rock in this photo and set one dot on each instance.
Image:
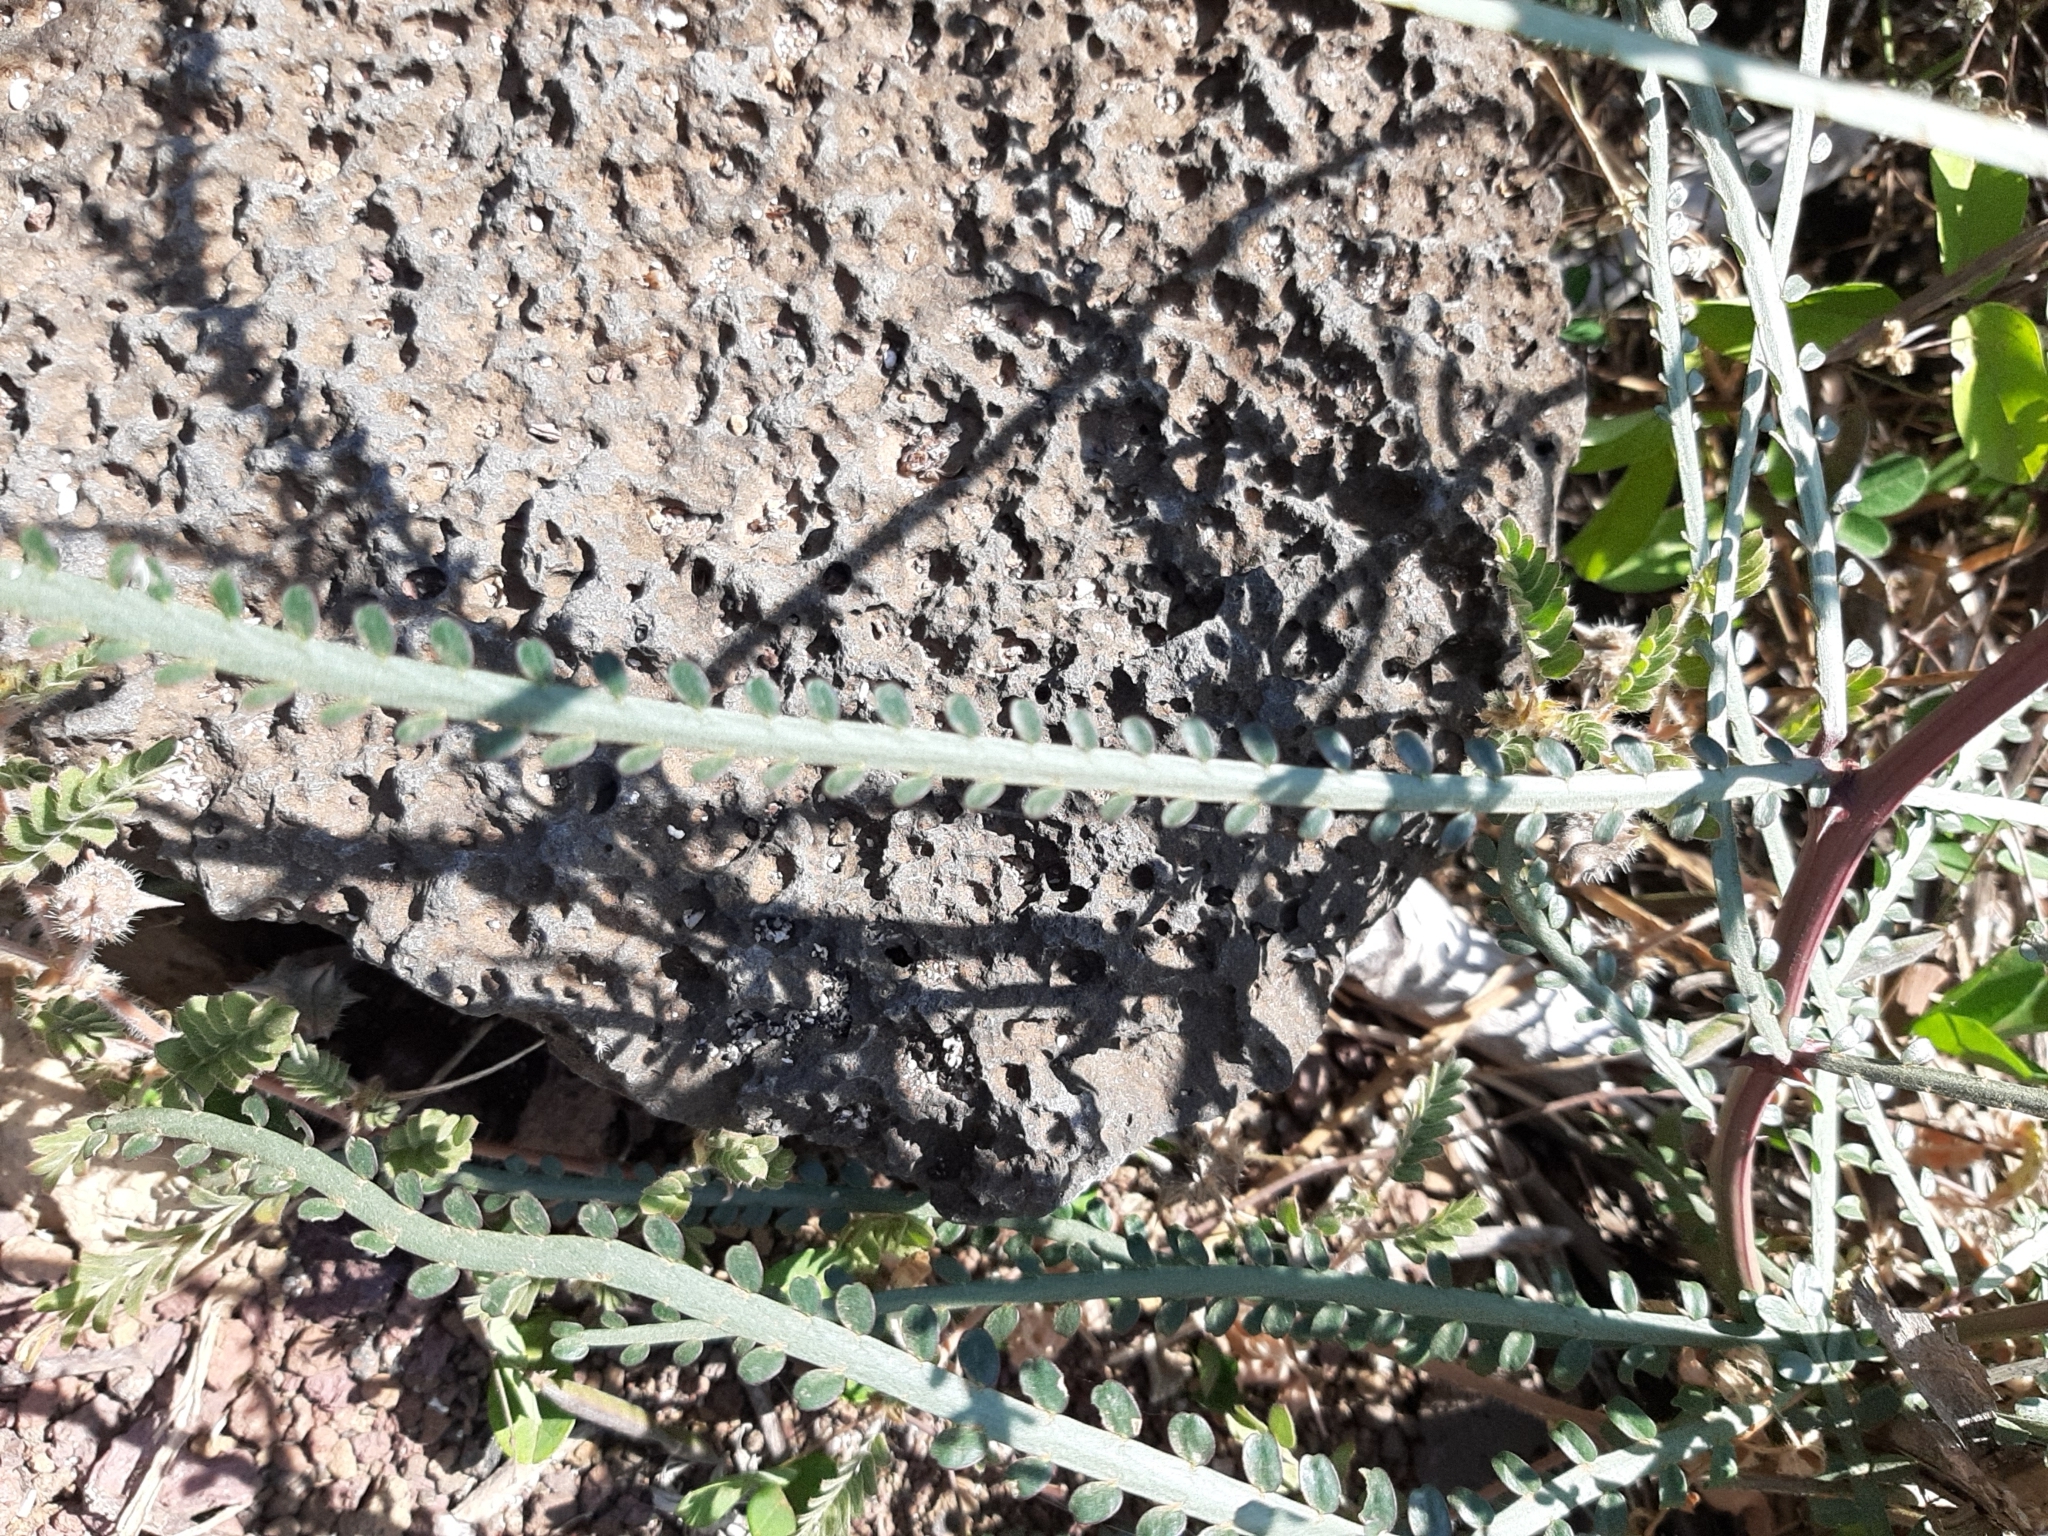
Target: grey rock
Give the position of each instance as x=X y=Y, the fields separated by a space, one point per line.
x=1170 y=359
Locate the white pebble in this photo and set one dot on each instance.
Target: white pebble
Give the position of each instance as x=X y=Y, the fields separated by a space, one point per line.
x=17 y=94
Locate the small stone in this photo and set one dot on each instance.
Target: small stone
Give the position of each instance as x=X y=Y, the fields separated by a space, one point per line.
x=341 y=1461
x=17 y=94
x=33 y=1260
x=380 y=1391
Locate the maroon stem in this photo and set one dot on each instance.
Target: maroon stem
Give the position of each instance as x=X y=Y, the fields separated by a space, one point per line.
x=1862 y=803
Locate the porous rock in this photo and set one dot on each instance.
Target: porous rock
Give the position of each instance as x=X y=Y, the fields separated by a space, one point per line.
x=1162 y=359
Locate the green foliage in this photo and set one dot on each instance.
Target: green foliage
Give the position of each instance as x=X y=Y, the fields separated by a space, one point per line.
x=1633 y=543
x=1887 y=487
x=1803 y=723
x=1999 y=1002
x=1823 y=318
x=1434 y=1100
x=1442 y=1228
x=106 y=1283
x=73 y=1027
x=845 y=1494
x=226 y=1042
x=1977 y=208
x=773 y=1496
x=1650 y=665
x=1536 y=591
x=27 y=686
x=743 y=1161
x=2001 y=392
x=81 y=808
x=313 y=1073
x=432 y=1144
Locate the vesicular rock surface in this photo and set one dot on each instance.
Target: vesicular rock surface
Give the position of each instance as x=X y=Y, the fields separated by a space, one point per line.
x=1144 y=359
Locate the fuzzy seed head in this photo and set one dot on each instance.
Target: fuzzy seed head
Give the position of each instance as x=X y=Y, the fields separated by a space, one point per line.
x=1582 y=861
x=1608 y=648
x=94 y=905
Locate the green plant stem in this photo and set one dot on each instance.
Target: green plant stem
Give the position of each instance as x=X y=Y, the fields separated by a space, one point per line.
x=1205 y=1494
x=1579 y=1486
x=1967 y=1087
x=1535 y=922
x=1678 y=398
x=1890 y=113
x=1280 y=1282
x=1824 y=1185
x=1813 y=43
x=1774 y=342
x=349 y=672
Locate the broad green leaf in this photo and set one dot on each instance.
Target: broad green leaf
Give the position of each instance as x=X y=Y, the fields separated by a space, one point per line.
x=1967 y=1040
x=1977 y=208
x=1892 y=484
x=527 y=1427
x=2009 y=997
x=1862 y=535
x=1824 y=317
x=1627 y=522
x=1260 y=1459
x=769 y=1513
x=711 y=1503
x=2001 y=392
x=1614 y=442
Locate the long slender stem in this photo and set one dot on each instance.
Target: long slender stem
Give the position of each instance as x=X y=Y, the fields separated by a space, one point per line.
x=1205 y=1494
x=1988 y=140
x=350 y=672
x=1479 y=1309
x=1774 y=342
x=1863 y=803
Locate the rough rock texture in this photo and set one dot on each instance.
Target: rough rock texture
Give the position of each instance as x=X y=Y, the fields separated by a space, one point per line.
x=1168 y=357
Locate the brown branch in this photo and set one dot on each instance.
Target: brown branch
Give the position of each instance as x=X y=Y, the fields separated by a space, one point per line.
x=1862 y=803
x=2023 y=250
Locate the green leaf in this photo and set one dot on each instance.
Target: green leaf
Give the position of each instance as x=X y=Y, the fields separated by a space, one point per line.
x=1043 y=1384
x=817 y=1389
x=1261 y=1461
x=1162 y=1520
x=2008 y=996
x=1093 y=1503
x=1027 y=1477
x=225 y=1042
x=1191 y=1438
x=527 y=1427
x=760 y=1364
x=1627 y=545
x=1379 y=1508
x=845 y=1495
x=1649 y=665
x=1536 y=592
x=1613 y=442
x=959 y=1447
x=769 y=1513
x=432 y=1144
x=2001 y=392
x=1320 y=1485
x=712 y=1502
x=1892 y=484
x=1434 y=1100
x=743 y=1266
x=1119 y=1409
x=1977 y=208
x=78 y=809
x=1825 y=317
x=1862 y=535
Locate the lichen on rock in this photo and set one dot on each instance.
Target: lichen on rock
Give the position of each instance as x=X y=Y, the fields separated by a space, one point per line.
x=1156 y=359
